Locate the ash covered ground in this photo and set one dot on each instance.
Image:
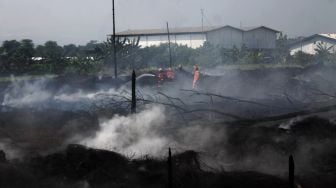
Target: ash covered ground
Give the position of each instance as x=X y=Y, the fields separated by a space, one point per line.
x=236 y=130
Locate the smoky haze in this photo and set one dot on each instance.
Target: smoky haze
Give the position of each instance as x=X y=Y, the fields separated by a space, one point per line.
x=79 y=21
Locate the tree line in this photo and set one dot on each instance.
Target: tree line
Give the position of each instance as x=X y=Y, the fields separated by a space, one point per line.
x=22 y=57
x=26 y=57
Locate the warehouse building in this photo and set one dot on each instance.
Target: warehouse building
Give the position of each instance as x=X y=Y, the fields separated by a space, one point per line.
x=226 y=36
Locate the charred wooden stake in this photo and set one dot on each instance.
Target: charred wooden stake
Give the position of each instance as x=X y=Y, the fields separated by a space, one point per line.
x=170 y=170
x=291 y=172
x=133 y=106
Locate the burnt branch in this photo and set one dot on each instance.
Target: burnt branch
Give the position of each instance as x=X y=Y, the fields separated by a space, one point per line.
x=232 y=99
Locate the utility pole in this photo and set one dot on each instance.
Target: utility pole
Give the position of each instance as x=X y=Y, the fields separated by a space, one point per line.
x=170 y=54
x=114 y=43
x=202 y=13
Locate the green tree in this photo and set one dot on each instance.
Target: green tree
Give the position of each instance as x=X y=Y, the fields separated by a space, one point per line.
x=52 y=55
x=2 y=61
x=183 y=55
x=10 y=47
x=127 y=52
x=17 y=56
x=52 y=51
x=23 y=55
x=255 y=56
x=236 y=55
x=208 y=55
x=281 y=52
x=302 y=58
x=39 y=51
x=27 y=48
x=70 y=50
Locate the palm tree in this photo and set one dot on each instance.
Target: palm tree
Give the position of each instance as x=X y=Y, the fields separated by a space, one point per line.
x=323 y=50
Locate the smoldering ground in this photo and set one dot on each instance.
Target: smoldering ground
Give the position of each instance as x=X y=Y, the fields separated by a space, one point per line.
x=39 y=118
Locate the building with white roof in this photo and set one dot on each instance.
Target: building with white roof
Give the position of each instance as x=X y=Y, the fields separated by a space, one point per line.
x=226 y=36
x=309 y=44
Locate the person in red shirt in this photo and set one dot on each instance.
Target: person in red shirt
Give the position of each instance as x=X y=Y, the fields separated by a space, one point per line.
x=197 y=75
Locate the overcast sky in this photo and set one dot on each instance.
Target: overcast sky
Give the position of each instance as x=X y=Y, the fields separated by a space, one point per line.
x=79 y=21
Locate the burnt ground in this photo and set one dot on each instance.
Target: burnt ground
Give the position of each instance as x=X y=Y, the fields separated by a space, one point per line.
x=267 y=147
x=38 y=150
x=78 y=166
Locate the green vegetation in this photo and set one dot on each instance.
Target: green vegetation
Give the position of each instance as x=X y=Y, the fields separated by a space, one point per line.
x=23 y=57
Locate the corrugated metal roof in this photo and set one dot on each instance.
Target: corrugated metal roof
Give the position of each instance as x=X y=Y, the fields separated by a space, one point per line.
x=259 y=27
x=330 y=35
x=183 y=30
x=313 y=38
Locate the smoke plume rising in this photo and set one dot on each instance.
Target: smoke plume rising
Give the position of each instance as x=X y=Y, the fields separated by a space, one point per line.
x=135 y=134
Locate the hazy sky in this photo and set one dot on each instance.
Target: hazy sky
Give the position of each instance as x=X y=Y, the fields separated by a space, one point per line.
x=79 y=21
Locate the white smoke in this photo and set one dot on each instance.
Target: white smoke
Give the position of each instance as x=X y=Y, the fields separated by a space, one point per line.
x=20 y=94
x=23 y=93
x=135 y=134
x=74 y=97
x=81 y=95
x=288 y=124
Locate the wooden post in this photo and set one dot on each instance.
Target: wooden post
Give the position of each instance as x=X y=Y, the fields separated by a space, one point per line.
x=291 y=172
x=133 y=105
x=170 y=170
x=211 y=107
x=170 y=54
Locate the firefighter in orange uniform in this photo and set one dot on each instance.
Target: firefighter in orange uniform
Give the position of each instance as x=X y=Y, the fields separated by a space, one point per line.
x=197 y=75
